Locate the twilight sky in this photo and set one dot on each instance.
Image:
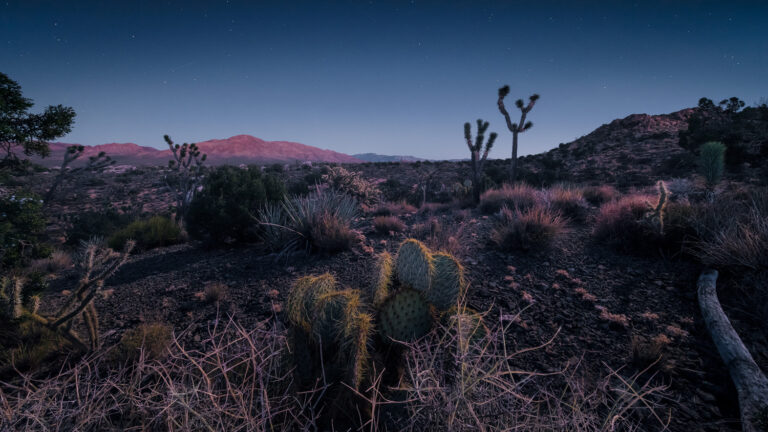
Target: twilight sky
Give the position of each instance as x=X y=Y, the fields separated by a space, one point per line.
x=390 y=77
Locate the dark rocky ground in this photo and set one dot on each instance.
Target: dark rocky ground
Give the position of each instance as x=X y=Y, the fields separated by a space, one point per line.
x=657 y=297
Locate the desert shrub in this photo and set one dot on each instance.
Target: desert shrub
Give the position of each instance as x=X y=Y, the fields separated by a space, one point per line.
x=320 y=222
x=451 y=238
x=386 y=224
x=275 y=168
x=597 y=195
x=90 y=224
x=733 y=231
x=520 y=196
x=621 y=224
x=435 y=207
x=393 y=190
x=25 y=345
x=569 y=202
x=153 y=340
x=157 y=231
x=298 y=187
x=680 y=188
x=711 y=161
x=223 y=211
x=351 y=183
x=21 y=230
x=215 y=292
x=533 y=228
x=393 y=209
x=59 y=260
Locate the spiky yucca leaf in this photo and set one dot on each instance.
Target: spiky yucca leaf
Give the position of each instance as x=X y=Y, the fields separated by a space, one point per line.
x=447 y=282
x=414 y=265
x=303 y=297
x=405 y=316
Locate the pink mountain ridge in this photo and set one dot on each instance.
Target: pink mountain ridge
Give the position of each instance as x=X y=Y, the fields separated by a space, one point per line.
x=239 y=149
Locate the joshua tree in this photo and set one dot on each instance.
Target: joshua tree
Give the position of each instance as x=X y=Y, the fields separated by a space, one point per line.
x=94 y=164
x=478 y=162
x=516 y=128
x=187 y=167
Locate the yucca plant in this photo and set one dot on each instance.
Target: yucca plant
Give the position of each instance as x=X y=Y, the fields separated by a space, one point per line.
x=319 y=221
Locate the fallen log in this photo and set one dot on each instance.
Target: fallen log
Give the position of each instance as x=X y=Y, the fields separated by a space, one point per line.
x=751 y=384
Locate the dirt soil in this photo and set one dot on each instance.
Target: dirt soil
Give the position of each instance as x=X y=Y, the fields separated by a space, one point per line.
x=641 y=297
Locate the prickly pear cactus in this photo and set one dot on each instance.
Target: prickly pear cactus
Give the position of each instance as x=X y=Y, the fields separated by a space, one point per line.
x=405 y=316
x=303 y=298
x=383 y=282
x=414 y=265
x=447 y=282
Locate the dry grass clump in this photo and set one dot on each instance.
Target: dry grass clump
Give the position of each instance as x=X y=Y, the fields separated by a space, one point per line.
x=569 y=202
x=621 y=223
x=464 y=380
x=598 y=195
x=215 y=292
x=332 y=234
x=435 y=208
x=733 y=231
x=387 y=224
x=535 y=228
x=619 y=320
x=394 y=209
x=462 y=376
x=149 y=341
x=519 y=196
x=451 y=238
x=237 y=382
x=59 y=260
x=647 y=353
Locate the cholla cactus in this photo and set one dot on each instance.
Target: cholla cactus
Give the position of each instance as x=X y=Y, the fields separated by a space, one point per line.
x=657 y=213
x=97 y=264
x=351 y=183
x=10 y=297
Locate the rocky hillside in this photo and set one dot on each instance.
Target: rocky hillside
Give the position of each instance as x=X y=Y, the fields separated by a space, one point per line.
x=629 y=151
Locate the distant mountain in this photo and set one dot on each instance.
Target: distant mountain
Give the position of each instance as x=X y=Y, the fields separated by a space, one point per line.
x=239 y=149
x=635 y=150
x=373 y=157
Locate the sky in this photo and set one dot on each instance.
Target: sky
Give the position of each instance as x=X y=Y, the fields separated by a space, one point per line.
x=388 y=77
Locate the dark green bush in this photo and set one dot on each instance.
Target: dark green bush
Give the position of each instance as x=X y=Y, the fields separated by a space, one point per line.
x=95 y=224
x=21 y=228
x=223 y=211
x=157 y=231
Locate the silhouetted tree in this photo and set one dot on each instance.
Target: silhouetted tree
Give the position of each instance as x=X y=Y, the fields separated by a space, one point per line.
x=516 y=128
x=95 y=164
x=478 y=162
x=27 y=131
x=187 y=167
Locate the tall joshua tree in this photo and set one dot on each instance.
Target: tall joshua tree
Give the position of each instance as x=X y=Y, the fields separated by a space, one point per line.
x=478 y=162
x=187 y=170
x=516 y=128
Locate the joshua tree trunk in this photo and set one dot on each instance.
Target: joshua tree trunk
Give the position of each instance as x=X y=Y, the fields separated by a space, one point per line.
x=515 y=128
x=750 y=382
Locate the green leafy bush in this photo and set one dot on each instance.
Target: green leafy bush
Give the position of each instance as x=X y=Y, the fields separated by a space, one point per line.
x=21 y=227
x=90 y=224
x=224 y=210
x=157 y=231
